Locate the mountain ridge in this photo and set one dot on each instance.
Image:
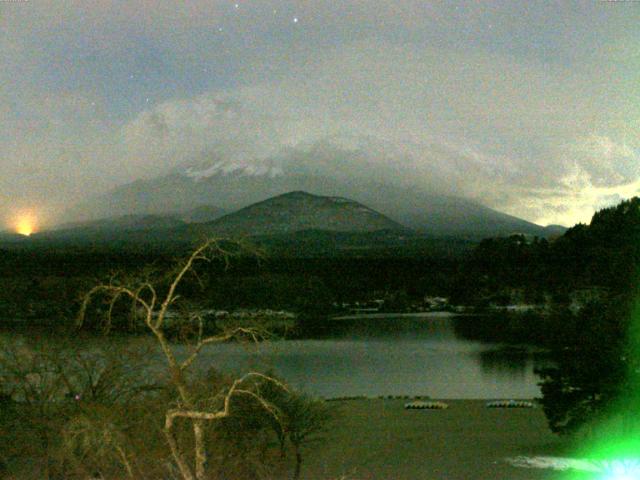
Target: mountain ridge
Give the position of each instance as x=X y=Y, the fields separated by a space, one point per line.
x=431 y=214
x=299 y=210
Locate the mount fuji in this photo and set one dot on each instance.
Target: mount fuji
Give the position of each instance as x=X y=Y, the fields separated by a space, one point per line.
x=211 y=182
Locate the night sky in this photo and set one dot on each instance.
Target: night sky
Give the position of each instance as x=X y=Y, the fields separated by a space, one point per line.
x=532 y=108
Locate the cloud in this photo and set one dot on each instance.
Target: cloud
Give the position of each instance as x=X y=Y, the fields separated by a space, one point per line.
x=526 y=109
x=605 y=162
x=175 y=132
x=597 y=173
x=481 y=126
x=574 y=200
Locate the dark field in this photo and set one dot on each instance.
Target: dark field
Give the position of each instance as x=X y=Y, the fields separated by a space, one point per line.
x=379 y=439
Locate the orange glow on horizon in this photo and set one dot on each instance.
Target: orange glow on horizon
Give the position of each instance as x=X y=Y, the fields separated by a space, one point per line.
x=25 y=224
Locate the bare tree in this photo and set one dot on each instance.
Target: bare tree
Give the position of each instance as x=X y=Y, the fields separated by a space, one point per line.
x=154 y=308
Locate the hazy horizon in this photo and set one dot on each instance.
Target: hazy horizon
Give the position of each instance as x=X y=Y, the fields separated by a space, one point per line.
x=526 y=108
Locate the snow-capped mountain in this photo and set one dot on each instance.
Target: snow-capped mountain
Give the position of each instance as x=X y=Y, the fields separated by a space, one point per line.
x=230 y=168
x=376 y=176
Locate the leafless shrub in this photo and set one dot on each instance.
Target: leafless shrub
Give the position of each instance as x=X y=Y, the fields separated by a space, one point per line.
x=95 y=438
x=47 y=386
x=154 y=308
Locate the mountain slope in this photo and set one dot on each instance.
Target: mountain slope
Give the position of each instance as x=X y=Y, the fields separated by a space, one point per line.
x=122 y=224
x=201 y=214
x=331 y=172
x=297 y=211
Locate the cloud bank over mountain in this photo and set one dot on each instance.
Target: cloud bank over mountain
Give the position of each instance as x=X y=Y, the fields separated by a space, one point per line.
x=525 y=108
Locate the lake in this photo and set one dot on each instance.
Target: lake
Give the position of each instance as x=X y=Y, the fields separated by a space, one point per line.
x=416 y=355
x=391 y=355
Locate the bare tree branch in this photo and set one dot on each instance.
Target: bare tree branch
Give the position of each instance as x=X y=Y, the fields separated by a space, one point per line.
x=217 y=339
x=145 y=295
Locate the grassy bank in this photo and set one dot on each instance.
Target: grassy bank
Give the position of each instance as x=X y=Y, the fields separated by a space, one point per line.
x=379 y=439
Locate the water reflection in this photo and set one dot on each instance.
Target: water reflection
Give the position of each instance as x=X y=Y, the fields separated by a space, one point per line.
x=389 y=326
x=392 y=355
x=513 y=362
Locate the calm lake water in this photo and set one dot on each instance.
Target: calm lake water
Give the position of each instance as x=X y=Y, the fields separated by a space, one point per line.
x=391 y=355
x=385 y=355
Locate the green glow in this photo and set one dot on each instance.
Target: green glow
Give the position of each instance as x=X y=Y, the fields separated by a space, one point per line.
x=612 y=445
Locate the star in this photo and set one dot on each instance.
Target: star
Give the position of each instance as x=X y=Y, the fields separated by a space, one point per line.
x=237 y=5
x=295 y=19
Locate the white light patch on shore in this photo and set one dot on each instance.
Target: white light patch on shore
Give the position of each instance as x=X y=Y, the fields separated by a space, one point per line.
x=612 y=469
x=554 y=463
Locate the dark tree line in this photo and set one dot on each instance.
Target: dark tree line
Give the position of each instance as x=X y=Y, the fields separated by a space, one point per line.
x=604 y=254
x=594 y=345
x=595 y=363
x=43 y=285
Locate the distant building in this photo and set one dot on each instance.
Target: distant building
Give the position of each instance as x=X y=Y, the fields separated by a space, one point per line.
x=435 y=303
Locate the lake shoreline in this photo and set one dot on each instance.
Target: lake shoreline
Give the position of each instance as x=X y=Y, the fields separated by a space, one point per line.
x=392 y=315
